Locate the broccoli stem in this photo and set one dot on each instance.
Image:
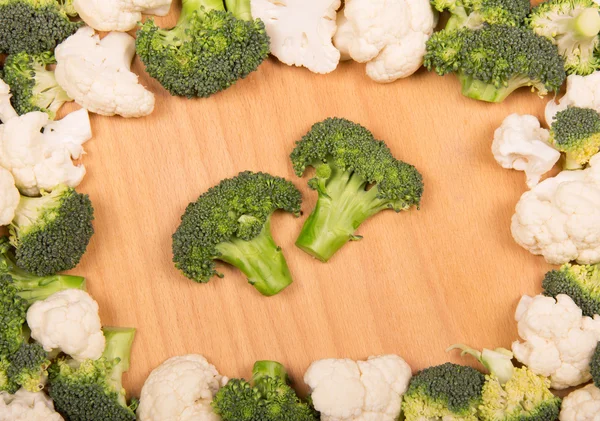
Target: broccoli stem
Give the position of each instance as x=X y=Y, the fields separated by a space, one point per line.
x=587 y=24
x=482 y=91
x=239 y=8
x=119 y=341
x=270 y=369
x=189 y=8
x=260 y=259
x=571 y=163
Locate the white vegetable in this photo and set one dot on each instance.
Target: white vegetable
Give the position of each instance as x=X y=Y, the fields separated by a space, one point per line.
x=118 y=15
x=301 y=31
x=41 y=161
x=345 y=390
x=388 y=35
x=181 y=389
x=558 y=341
x=521 y=144
x=9 y=197
x=96 y=74
x=6 y=110
x=581 y=405
x=68 y=321
x=582 y=91
x=560 y=217
x=27 y=406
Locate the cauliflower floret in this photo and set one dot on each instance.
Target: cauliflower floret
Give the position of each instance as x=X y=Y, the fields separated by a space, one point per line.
x=68 y=321
x=558 y=341
x=41 y=161
x=6 y=110
x=96 y=74
x=27 y=406
x=388 y=35
x=345 y=390
x=521 y=144
x=582 y=91
x=9 y=197
x=118 y=15
x=581 y=405
x=560 y=217
x=181 y=389
x=301 y=31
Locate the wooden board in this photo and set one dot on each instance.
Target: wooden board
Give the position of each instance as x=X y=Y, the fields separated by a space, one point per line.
x=418 y=282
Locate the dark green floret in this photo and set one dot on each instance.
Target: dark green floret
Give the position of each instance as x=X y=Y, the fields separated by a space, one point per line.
x=34 y=26
x=231 y=223
x=26 y=367
x=576 y=132
x=356 y=177
x=494 y=61
x=595 y=366
x=92 y=390
x=51 y=233
x=208 y=50
x=447 y=390
x=268 y=397
x=474 y=13
x=32 y=85
x=573 y=26
x=580 y=282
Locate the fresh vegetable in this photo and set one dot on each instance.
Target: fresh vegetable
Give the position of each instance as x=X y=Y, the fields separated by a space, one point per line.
x=580 y=282
x=474 y=14
x=9 y=197
x=92 y=390
x=181 y=387
x=26 y=367
x=494 y=61
x=6 y=110
x=346 y=390
x=300 y=31
x=356 y=178
x=573 y=26
x=267 y=397
x=27 y=406
x=581 y=405
x=231 y=223
x=118 y=15
x=33 y=85
x=520 y=143
x=34 y=26
x=207 y=51
x=582 y=91
x=595 y=366
x=576 y=132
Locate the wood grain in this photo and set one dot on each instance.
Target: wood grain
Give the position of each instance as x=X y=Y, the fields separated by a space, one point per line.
x=418 y=282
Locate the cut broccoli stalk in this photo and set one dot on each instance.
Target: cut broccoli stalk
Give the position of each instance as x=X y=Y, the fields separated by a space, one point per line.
x=239 y=8
x=476 y=89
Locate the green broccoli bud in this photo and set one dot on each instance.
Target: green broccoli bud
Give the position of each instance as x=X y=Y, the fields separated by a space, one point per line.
x=576 y=132
x=27 y=368
x=474 y=13
x=595 y=366
x=580 y=282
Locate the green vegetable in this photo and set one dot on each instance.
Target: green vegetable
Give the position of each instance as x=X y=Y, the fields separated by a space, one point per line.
x=231 y=223
x=34 y=26
x=474 y=13
x=576 y=132
x=268 y=397
x=580 y=282
x=26 y=367
x=573 y=26
x=51 y=233
x=92 y=390
x=33 y=86
x=356 y=178
x=595 y=366
x=494 y=61
x=207 y=51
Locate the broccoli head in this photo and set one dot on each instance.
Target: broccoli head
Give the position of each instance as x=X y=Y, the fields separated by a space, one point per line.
x=573 y=26
x=576 y=132
x=51 y=233
x=26 y=368
x=34 y=26
x=92 y=390
x=580 y=282
x=494 y=61
x=356 y=177
x=33 y=86
x=207 y=51
x=268 y=397
x=474 y=13
x=595 y=366
x=231 y=223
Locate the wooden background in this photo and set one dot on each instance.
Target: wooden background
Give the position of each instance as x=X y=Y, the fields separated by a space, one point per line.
x=418 y=281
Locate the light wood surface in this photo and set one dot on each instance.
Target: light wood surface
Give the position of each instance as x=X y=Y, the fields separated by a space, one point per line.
x=418 y=281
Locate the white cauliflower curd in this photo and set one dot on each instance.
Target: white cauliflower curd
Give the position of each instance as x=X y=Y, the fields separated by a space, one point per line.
x=181 y=389
x=118 y=15
x=560 y=217
x=582 y=91
x=6 y=110
x=96 y=74
x=27 y=406
x=520 y=143
x=346 y=390
x=68 y=321
x=558 y=342
x=581 y=405
x=9 y=197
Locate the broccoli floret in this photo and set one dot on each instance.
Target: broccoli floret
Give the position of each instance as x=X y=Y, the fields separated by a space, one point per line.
x=580 y=282
x=207 y=51
x=573 y=26
x=576 y=132
x=595 y=366
x=51 y=233
x=447 y=390
x=268 y=397
x=33 y=86
x=495 y=60
x=231 y=223
x=356 y=177
x=92 y=390
x=474 y=13
x=26 y=368
x=34 y=26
